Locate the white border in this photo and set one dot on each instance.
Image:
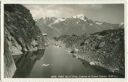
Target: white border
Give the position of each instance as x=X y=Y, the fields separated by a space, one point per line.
x=62 y=79
x=2 y=40
x=63 y=1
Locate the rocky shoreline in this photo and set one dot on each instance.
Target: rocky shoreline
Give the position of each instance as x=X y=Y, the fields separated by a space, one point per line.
x=104 y=50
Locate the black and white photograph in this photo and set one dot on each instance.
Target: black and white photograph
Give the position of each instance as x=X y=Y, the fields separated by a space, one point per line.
x=64 y=41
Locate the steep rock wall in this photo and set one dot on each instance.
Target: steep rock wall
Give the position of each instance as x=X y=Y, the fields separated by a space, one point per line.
x=21 y=35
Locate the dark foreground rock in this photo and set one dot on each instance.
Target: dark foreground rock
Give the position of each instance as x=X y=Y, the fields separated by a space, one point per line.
x=21 y=35
x=104 y=49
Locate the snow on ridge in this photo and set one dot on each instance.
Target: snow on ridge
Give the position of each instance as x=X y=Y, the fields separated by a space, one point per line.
x=121 y=24
x=80 y=16
x=99 y=23
x=59 y=20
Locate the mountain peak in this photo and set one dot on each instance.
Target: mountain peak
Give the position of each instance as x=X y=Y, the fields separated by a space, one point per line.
x=81 y=16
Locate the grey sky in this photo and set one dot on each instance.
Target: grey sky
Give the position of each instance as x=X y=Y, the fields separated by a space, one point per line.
x=112 y=13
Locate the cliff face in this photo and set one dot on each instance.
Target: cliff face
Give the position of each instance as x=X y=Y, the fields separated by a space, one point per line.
x=21 y=34
x=9 y=65
x=105 y=49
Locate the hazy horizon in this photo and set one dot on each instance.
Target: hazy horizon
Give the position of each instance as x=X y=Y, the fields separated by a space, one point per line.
x=111 y=13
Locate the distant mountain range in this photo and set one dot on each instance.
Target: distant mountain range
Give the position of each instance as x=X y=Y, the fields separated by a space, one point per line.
x=77 y=25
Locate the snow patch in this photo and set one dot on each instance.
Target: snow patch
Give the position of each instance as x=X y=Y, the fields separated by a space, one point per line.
x=44 y=34
x=59 y=20
x=45 y=65
x=99 y=23
x=80 y=16
x=92 y=63
x=121 y=24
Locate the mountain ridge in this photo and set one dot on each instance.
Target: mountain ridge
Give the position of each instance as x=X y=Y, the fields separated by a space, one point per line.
x=78 y=25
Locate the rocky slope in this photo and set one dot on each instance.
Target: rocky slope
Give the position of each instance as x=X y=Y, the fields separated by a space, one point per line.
x=21 y=35
x=105 y=49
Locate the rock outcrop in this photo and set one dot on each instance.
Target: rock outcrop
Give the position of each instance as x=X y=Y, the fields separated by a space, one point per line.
x=21 y=35
x=9 y=65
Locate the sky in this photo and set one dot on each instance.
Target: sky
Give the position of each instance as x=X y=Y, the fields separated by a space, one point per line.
x=111 y=13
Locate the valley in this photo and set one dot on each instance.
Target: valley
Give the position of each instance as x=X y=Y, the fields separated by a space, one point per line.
x=55 y=47
x=58 y=62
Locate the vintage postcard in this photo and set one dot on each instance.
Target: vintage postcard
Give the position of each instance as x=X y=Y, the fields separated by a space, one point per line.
x=64 y=41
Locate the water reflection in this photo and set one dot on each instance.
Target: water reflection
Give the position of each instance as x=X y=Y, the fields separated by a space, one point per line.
x=25 y=62
x=56 y=62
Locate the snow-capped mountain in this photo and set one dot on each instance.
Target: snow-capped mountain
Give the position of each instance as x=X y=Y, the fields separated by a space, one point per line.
x=59 y=20
x=81 y=16
x=78 y=25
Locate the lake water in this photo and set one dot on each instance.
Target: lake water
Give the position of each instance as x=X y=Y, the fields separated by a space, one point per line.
x=54 y=62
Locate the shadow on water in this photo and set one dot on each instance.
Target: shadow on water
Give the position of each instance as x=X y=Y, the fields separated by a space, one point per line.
x=25 y=62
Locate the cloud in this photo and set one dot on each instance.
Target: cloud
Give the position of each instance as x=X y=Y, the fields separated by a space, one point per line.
x=59 y=10
x=95 y=6
x=39 y=11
